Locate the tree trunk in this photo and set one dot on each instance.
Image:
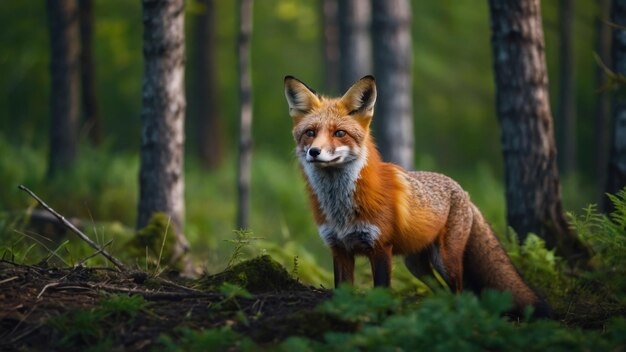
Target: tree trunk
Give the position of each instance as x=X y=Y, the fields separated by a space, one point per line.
x=245 y=114
x=355 y=41
x=161 y=177
x=64 y=95
x=616 y=179
x=533 y=193
x=209 y=129
x=393 y=121
x=92 y=120
x=603 y=106
x=567 y=99
x=330 y=43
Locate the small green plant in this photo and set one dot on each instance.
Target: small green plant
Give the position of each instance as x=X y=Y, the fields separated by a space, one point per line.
x=231 y=292
x=92 y=327
x=606 y=236
x=541 y=268
x=294 y=270
x=79 y=327
x=123 y=306
x=243 y=239
x=218 y=339
x=348 y=304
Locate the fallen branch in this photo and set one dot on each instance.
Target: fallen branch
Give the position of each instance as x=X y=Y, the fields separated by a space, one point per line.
x=74 y=229
x=158 y=295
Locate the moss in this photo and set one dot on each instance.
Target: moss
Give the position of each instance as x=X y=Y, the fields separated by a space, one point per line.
x=151 y=237
x=258 y=275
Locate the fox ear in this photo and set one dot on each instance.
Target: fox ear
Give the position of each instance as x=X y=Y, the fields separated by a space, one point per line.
x=300 y=97
x=360 y=98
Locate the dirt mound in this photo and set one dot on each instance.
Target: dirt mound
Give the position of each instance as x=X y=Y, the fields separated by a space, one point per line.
x=259 y=275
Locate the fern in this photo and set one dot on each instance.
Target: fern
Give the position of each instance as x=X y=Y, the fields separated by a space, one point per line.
x=619 y=203
x=606 y=235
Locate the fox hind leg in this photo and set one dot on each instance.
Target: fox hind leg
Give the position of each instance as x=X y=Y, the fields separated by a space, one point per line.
x=453 y=240
x=419 y=264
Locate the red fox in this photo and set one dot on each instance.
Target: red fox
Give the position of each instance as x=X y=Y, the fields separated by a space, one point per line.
x=364 y=206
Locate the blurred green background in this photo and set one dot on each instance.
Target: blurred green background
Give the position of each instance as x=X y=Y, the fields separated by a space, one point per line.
x=456 y=130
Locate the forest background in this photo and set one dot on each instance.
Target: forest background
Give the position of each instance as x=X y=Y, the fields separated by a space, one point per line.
x=455 y=125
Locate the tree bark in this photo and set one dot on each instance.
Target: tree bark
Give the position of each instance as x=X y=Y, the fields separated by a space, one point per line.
x=567 y=99
x=533 y=194
x=330 y=43
x=616 y=179
x=354 y=41
x=64 y=95
x=161 y=176
x=393 y=121
x=603 y=104
x=92 y=120
x=209 y=134
x=245 y=114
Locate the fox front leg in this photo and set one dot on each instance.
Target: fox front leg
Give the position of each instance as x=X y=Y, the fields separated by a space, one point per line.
x=343 y=266
x=380 y=261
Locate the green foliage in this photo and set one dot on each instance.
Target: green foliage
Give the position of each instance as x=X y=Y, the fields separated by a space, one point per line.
x=231 y=291
x=352 y=306
x=79 y=327
x=243 y=239
x=120 y=306
x=90 y=327
x=448 y=322
x=540 y=267
x=218 y=339
x=444 y=322
x=606 y=236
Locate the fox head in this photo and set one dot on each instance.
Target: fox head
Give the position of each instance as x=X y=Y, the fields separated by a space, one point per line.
x=331 y=132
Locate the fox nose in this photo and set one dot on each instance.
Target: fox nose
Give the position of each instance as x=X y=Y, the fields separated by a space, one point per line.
x=315 y=151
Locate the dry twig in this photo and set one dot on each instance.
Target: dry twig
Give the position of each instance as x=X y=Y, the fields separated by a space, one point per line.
x=9 y=279
x=74 y=229
x=82 y=261
x=52 y=284
x=158 y=295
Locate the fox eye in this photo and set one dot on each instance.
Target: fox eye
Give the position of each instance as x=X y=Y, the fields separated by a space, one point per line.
x=340 y=133
x=310 y=133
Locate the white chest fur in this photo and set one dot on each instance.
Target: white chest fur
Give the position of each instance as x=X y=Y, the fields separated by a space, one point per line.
x=334 y=188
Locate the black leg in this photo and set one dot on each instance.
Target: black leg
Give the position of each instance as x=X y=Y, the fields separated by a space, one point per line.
x=343 y=267
x=381 y=267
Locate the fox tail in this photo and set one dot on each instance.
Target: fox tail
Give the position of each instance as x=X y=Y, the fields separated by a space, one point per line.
x=487 y=265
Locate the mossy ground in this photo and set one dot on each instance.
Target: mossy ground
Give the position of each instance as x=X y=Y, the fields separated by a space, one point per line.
x=259 y=275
